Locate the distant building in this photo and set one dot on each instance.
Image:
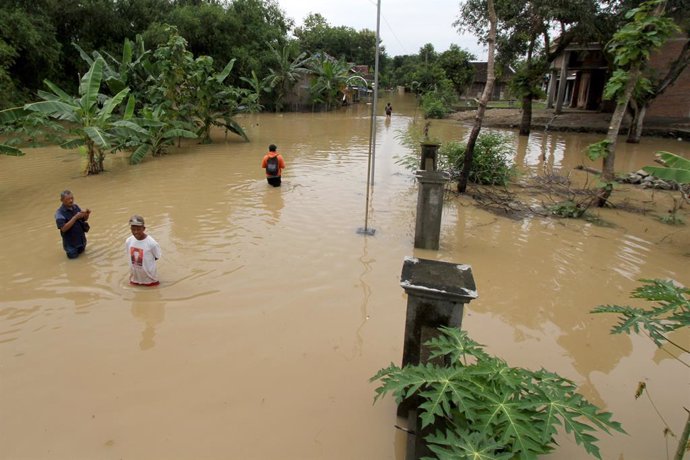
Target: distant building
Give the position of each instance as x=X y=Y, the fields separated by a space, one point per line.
x=585 y=71
x=500 y=84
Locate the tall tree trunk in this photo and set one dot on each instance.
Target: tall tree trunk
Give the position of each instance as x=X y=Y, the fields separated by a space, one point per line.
x=526 y=121
x=483 y=101
x=94 y=162
x=608 y=173
x=635 y=131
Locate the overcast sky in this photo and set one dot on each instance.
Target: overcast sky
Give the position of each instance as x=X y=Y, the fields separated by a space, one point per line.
x=406 y=25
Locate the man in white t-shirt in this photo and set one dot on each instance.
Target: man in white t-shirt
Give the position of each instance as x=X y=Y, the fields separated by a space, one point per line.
x=143 y=252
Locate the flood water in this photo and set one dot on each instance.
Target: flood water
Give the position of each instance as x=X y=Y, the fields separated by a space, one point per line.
x=273 y=312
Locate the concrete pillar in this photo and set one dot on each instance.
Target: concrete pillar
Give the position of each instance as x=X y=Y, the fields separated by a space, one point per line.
x=551 y=90
x=562 y=82
x=428 y=159
x=429 y=198
x=429 y=209
x=436 y=294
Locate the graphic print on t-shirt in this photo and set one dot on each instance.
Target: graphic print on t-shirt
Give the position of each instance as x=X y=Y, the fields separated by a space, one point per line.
x=137 y=256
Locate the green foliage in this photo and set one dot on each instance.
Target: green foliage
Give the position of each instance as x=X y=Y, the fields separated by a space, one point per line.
x=285 y=73
x=483 y=408
x=672 y=218
x=89 y=116
x=456 y=64
x=671 y=312
x=434 y=106
x=329 y=79
x=598 y=150
x=343 y=43
x=568 y=209
x=644 y=32
x=150 y=133
x=528 y=79
x=676 y=168
x=491 y=163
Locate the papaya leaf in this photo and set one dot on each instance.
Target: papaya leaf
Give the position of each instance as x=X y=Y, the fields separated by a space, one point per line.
x=484 y=408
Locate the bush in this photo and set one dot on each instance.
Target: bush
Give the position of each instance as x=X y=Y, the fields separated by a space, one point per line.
x=491 y=164
x=433 y=106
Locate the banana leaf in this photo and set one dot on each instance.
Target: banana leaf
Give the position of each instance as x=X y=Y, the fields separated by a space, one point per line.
x=12 y=115
x=677 y=168
x=59 y=92
x=55 y=109
x=90 y=83
x=233 y=126
x=97 y=136
x=11 y=151
x=72 y=143
x=139 y=154
x=176 y=132
x=112 y=103
x=226 y=71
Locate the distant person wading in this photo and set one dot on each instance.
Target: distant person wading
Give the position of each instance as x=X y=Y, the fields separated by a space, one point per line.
x=274 y=164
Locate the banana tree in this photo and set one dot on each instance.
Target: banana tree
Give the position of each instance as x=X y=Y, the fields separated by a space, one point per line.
x=132 y=70
x=150 y=133
x=285 y=75
x=214 y=103
x=89 y=116
x=330 y=78
x=257 y=88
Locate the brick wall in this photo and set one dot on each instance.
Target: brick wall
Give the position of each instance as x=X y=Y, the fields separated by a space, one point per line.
x=674 y=103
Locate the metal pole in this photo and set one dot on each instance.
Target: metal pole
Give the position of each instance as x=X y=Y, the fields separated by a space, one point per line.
x=376 y=91
x=372 y=132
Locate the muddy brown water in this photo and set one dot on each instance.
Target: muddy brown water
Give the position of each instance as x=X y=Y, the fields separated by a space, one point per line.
x=273 y=312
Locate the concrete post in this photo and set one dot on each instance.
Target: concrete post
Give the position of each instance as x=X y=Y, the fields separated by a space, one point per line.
x=436 y=295
x=551 y=90
x=429 y=156
x=562 y=82
x=429 y=198
x=429 y=209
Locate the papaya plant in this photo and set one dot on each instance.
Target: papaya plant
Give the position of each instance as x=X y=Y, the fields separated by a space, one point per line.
x=670 y=314
x=481 y=408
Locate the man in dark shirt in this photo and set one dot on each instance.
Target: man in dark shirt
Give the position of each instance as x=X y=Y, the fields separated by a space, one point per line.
x=71 y=221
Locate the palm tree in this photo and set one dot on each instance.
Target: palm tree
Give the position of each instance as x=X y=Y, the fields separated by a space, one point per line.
x=286 y=74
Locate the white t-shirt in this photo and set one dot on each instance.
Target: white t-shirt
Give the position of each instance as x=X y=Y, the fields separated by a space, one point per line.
x=142 y=257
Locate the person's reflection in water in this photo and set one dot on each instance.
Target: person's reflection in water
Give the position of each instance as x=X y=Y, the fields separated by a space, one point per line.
x=149 y=308
x=273 y=203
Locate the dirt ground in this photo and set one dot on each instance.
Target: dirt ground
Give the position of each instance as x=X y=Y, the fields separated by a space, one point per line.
x=569 y=120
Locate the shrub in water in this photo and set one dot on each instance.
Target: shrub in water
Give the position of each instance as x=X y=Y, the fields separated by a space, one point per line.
x=491 y=164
